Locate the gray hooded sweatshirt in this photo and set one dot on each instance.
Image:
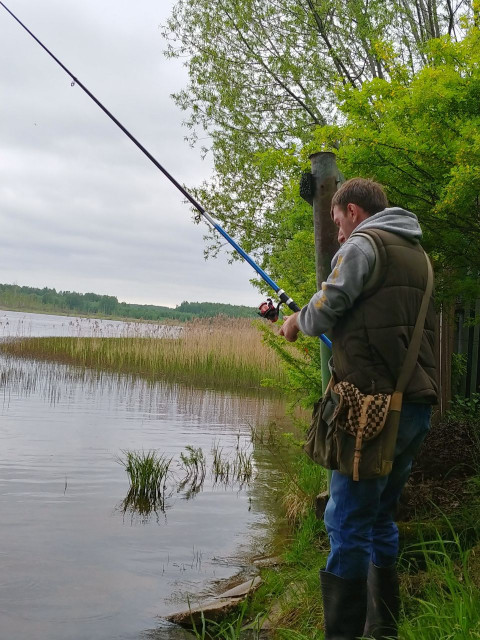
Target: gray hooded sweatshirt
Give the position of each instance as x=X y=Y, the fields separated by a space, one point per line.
x=351 y=267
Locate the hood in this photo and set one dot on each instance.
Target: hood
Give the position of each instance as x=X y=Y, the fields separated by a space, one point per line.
x=396 y=220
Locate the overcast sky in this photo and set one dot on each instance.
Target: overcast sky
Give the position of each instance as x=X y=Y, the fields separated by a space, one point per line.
x=81 y=208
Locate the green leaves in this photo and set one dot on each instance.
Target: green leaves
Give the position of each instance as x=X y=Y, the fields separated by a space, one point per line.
x=263 y=74
x=420 y=139
x=301 y=362
x=393 y=85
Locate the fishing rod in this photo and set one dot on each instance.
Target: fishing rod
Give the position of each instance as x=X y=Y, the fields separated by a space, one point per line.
x=267 y=309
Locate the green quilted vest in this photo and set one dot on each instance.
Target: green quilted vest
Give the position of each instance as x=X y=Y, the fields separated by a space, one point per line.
x=370 y=341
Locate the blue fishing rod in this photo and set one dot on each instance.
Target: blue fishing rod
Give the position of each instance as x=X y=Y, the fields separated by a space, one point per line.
x=267 y=309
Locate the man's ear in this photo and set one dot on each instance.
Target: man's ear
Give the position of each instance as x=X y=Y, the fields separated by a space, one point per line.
x=352 y=211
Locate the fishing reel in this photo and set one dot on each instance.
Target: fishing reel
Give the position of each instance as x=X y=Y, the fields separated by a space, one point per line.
x=269 y=311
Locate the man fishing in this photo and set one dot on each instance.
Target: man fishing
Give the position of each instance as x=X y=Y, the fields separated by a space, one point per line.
x=371 y=327
x=367 y=351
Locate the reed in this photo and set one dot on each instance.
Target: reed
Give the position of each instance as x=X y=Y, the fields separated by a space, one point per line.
x=222 y=353
x=220 y=464
x=194 y=467
x=147 y=472
x=266 y=435
x=236 y=467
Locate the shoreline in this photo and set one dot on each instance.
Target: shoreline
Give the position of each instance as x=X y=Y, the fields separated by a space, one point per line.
x=98 y=316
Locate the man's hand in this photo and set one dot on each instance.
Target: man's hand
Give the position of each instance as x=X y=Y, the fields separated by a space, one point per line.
x=290 y=327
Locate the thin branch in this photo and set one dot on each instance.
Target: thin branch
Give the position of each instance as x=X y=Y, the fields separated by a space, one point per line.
x=341 y=68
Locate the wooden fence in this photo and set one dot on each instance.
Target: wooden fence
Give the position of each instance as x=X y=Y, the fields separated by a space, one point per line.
x=458 y=333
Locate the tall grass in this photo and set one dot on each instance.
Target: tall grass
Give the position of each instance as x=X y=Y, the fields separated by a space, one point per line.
x=228 y=469
x=194 y=466
x=148 y=473
x=219 y=353
x=449 y=606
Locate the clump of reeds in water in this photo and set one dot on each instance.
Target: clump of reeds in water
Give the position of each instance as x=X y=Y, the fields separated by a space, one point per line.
x=234 y=468
x=194 y=466
x=147 y=472
x=265 y=435
x=217 y=353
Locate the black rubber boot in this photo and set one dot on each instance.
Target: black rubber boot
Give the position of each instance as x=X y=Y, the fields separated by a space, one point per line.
x=344 y=606
x=383 y=603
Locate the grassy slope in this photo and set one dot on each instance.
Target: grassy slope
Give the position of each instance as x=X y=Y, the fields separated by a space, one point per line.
x=439 y=564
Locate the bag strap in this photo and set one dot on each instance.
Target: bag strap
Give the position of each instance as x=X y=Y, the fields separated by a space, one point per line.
x=414 y=346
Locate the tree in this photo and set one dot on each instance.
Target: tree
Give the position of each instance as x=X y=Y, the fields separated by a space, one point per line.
x=263 y=76
x=421 y=139
x=73 y=300
x=108 y=305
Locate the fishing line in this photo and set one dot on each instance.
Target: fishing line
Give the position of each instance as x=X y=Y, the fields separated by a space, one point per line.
x=284 y=298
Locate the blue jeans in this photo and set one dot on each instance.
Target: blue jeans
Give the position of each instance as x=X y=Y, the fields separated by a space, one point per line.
x=359 y=517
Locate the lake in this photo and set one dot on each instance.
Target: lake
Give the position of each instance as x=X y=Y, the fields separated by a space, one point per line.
x=19 y=324
x=74 y=563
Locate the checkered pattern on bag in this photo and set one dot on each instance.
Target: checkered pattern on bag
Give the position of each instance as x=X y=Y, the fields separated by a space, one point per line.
x=353 y=404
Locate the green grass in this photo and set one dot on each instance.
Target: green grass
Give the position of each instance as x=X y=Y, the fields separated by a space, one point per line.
x=448 y=605
x=194 y=468
x=439 y=575
x=147 y=472
x=236 y=467
x=441 y=601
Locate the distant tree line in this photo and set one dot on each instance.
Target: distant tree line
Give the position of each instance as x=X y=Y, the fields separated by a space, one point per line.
x=15 y=297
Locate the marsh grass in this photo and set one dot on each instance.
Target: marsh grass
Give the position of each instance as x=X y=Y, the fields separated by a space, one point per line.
x=440 y=602
x=440 y=575
x=147 y=472
x=243 y=466
x=233 y=467
x=194 y=466
x=265 y=434
x=222 y=353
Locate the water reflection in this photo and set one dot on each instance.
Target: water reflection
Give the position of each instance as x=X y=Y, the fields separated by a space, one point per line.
x=157 y=399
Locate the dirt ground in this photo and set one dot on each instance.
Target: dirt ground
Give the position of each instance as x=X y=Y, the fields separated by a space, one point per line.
x=443 y=472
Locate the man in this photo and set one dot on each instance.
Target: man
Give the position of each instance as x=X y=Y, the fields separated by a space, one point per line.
x=371 y=330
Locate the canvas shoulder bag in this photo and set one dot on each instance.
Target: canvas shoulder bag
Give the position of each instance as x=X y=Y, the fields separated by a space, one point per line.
x=356 y=433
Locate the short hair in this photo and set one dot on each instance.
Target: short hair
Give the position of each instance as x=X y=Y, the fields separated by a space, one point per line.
x=363 y=192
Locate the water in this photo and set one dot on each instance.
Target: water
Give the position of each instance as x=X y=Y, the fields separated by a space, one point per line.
x=19 y=323
x=73 y=565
